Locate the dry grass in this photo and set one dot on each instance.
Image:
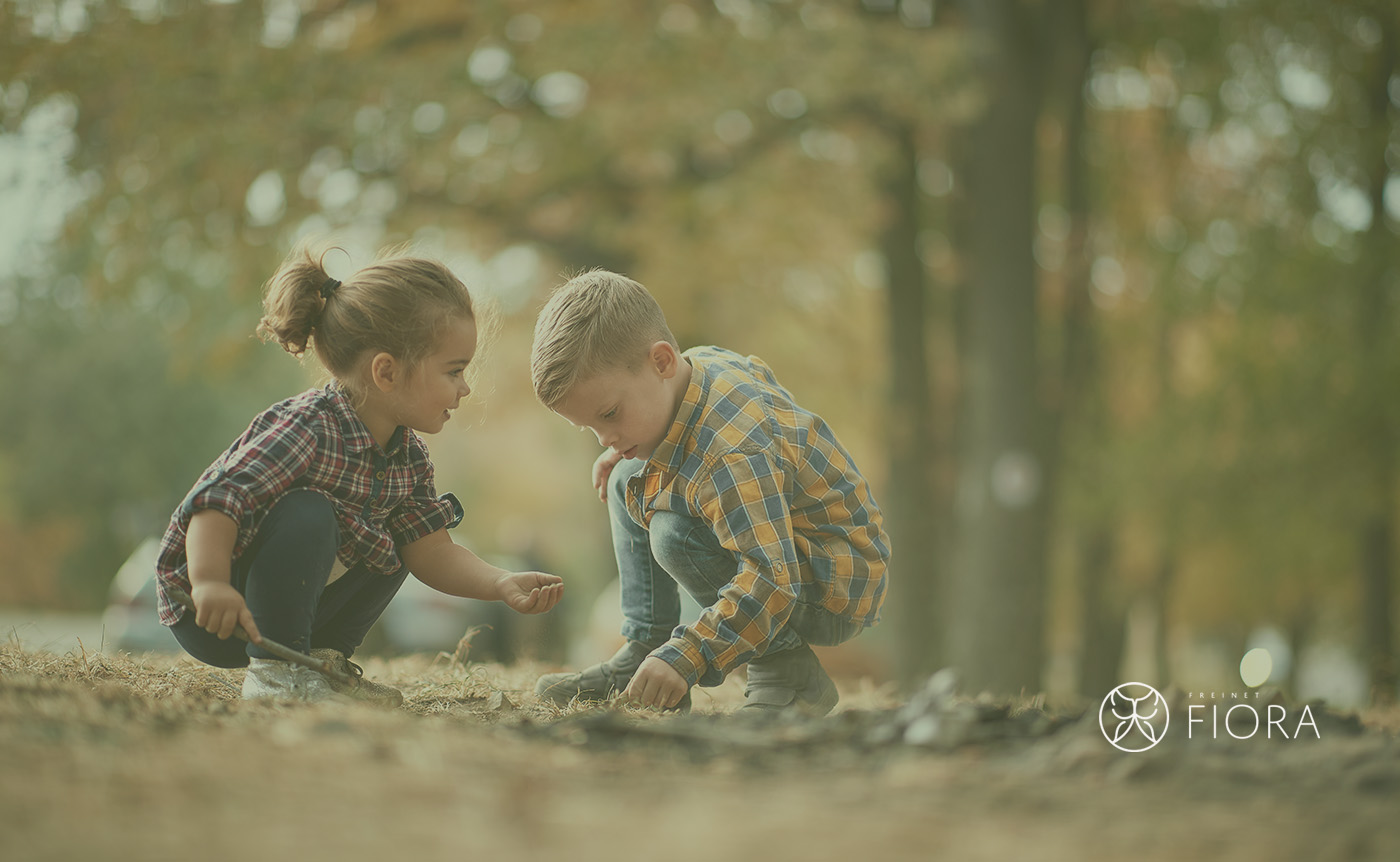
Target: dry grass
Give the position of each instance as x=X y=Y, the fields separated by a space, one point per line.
x=121 y=757
x=170 y=690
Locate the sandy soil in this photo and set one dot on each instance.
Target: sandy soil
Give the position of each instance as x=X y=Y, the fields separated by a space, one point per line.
x=151 y=758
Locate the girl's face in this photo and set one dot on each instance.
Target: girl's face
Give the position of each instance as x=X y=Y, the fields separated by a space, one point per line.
x=423 y=399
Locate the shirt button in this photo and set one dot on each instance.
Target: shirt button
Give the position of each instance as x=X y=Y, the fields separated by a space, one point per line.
x=379 y=475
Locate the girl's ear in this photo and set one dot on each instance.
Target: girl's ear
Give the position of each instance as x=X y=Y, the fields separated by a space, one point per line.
x=665 y=359
x=384 y=371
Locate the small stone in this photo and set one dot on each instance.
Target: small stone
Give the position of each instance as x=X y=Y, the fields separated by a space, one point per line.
x=498 y=702
x=924 y=730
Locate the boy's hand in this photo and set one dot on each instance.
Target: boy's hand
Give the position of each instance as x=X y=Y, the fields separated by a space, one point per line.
x=219 y=607
x=657 y=684
x=602 y=469
x=530 y=592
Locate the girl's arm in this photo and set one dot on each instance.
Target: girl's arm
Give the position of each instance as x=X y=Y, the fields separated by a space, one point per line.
x=209 y=552
x=449 y=568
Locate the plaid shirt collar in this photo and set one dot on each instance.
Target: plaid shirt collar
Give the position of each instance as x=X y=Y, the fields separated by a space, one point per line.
x=353 y=430
x=671 y=453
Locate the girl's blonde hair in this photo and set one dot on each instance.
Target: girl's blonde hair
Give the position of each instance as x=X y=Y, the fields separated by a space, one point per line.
x=596 y=321
x=397 y=305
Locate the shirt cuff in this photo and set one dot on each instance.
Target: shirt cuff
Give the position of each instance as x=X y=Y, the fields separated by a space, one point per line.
x=685 y=658
x=444 y=514
x=231 y=500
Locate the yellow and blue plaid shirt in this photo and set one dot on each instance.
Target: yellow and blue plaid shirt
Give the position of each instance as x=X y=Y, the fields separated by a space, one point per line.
x=781 y=492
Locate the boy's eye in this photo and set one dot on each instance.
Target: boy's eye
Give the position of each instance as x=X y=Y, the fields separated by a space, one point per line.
x=610 y=414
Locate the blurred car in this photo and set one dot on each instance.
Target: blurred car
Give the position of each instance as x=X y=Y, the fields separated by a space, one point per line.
x=130 y=621
x=421 y=619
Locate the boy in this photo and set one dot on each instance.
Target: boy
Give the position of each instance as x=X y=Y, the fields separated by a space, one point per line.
x=717 y=481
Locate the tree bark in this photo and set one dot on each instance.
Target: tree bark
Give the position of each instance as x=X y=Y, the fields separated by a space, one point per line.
x=997 y=629
x=1105 y=619
x=912 y=511
x=1076 y=401
x=1162 y=581
x=1377 y=535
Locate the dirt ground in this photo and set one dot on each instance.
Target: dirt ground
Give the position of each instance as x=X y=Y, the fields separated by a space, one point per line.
x=116 y=757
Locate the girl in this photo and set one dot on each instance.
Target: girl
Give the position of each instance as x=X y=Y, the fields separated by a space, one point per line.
x=305 y=528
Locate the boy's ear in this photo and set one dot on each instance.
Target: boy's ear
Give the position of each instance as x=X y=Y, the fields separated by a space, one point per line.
x=665 y=359
x=384 y=371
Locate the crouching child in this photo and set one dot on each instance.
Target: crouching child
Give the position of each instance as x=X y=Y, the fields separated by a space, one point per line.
x=305 y=528
x=716 y=481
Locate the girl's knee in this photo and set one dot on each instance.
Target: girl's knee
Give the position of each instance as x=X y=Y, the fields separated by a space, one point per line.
x=304 y=511
x=206 y=647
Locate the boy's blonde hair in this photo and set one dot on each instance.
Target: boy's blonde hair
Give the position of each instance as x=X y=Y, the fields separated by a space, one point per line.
x=597 y=321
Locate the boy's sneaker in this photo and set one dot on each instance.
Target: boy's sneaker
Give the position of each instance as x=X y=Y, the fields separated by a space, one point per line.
x=790 y=680
x=600 y=681
x=268 y=678
x=361 y=689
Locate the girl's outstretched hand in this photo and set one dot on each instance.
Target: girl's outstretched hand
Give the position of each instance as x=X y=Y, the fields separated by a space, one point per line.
x=530 y=592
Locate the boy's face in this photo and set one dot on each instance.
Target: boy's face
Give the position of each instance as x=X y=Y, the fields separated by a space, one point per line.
x=630 y=412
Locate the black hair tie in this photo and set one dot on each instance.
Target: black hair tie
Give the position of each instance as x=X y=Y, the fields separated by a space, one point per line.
x=329 y=287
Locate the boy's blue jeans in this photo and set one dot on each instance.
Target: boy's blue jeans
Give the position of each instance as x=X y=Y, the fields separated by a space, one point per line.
x=680 y=551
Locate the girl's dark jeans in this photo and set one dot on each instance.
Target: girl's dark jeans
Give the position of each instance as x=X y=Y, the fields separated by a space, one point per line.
x=282 y=576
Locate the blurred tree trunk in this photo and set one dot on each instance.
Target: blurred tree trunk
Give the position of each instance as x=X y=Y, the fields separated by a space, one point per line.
x=1378 y=272
x=1299 y=630
x=913 y=510
x=1077 y=399
x=996 y=634
x=1105 y=620
x=1163 y=580
x=1377 y=567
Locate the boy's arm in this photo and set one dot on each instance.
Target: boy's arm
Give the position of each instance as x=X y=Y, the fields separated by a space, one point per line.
x=449 y=568
x=743 y=501
x=602 y=469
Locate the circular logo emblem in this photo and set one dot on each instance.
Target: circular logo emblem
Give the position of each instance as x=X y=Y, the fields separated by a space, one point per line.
x=1134 y=717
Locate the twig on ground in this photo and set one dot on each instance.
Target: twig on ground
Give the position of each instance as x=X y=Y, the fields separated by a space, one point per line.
x=285 y=653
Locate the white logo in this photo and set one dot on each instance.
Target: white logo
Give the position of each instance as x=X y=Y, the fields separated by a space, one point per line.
x=1134 y=717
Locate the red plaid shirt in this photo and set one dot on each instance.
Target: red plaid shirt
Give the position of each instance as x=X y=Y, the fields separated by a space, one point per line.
x=382 y=497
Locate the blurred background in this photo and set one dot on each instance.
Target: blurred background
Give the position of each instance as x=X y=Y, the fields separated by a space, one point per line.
x=1099 y=293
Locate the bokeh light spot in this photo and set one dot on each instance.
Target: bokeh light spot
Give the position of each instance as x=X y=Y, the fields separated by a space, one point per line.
x=1256 y=667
